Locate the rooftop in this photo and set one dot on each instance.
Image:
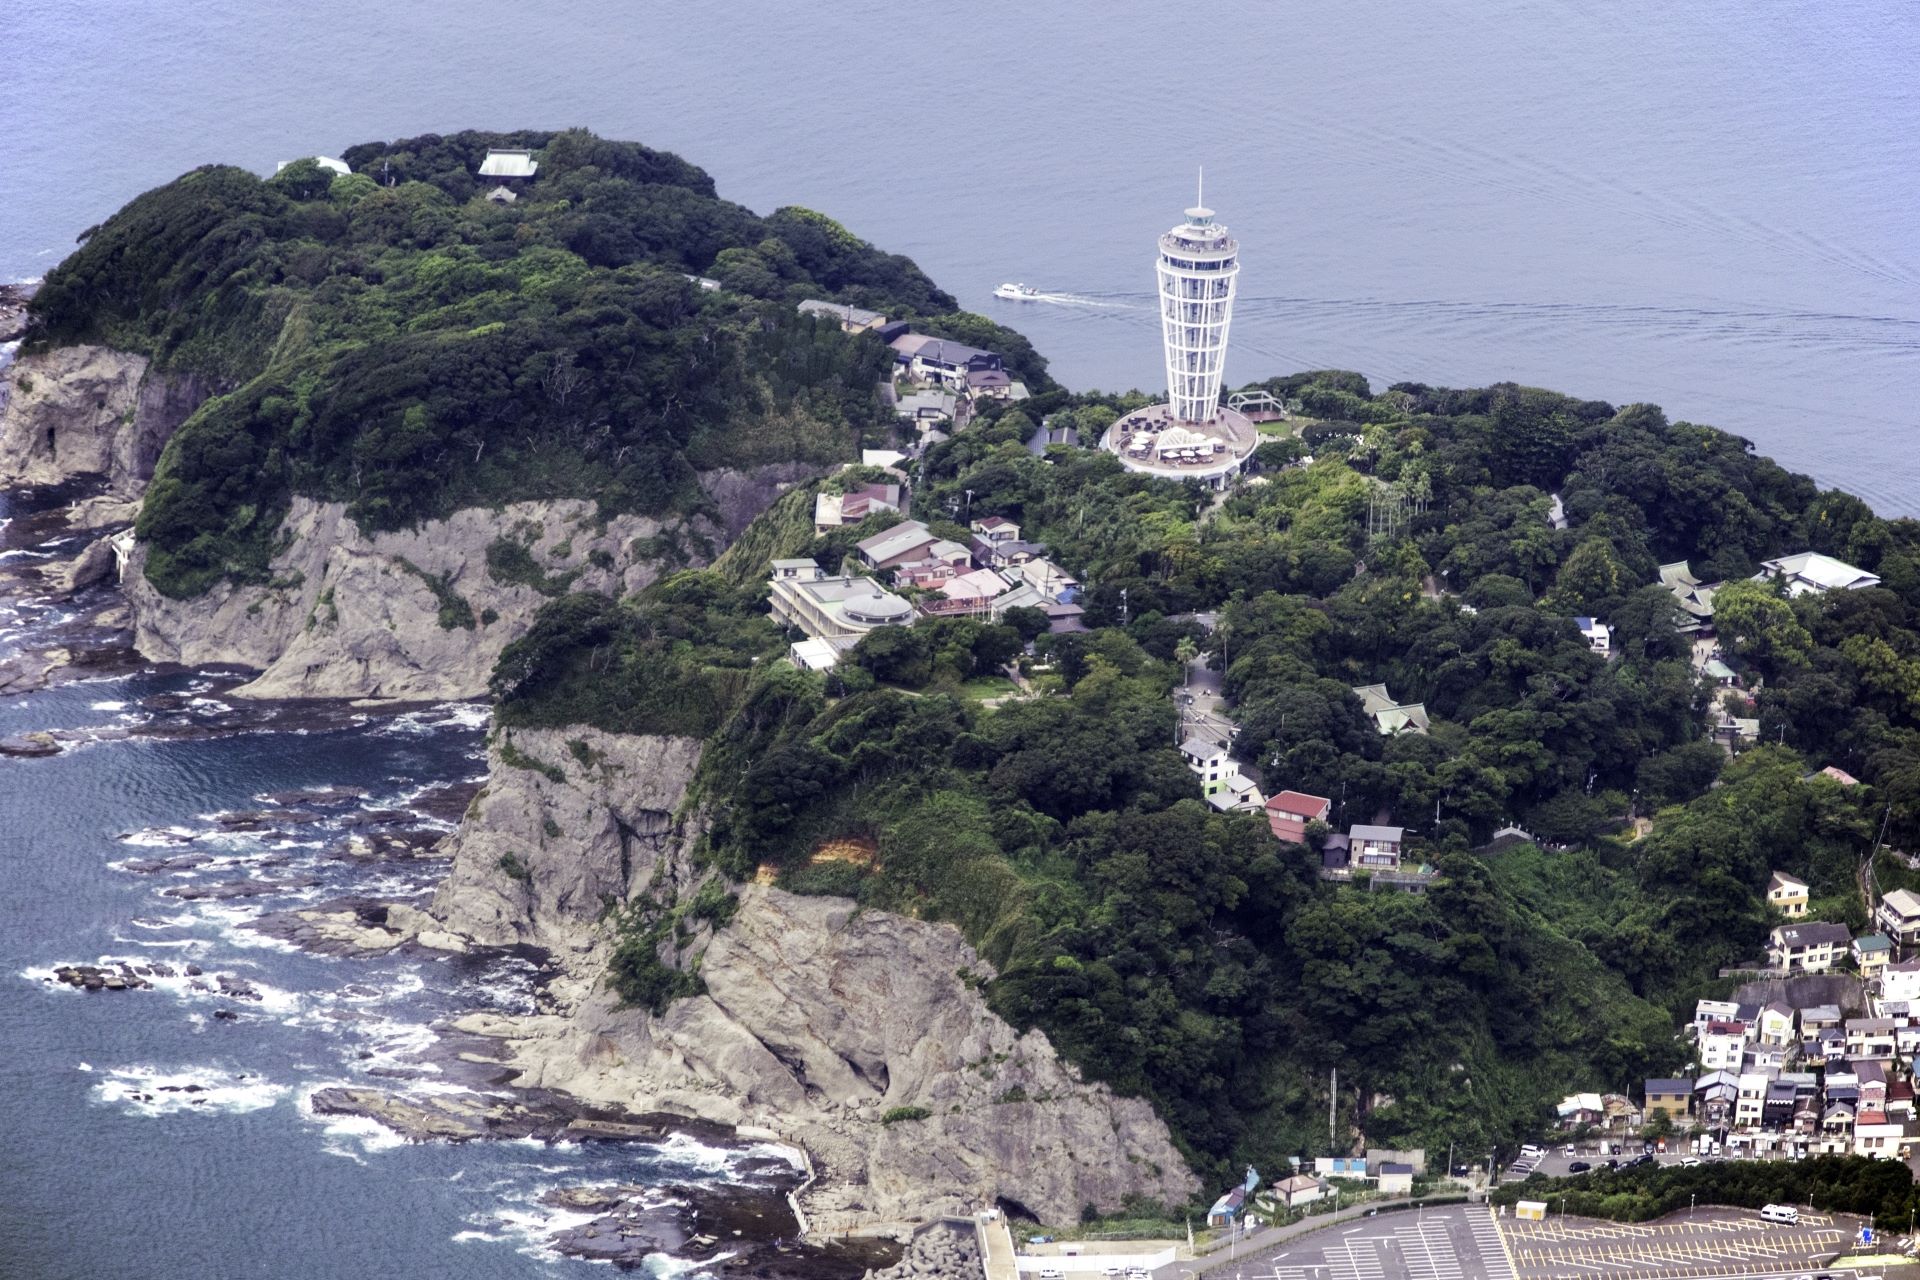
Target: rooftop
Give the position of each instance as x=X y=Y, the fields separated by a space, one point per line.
x=1300 y=802
x=1150 y=440
x=1810 y=572
x=1363 y=831
x=508 y=162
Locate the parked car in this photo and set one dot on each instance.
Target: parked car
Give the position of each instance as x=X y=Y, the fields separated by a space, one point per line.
x=1693 y=1162
x=1579 y=1166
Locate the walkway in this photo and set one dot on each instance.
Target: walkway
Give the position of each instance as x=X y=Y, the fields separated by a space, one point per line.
x=996 y=1246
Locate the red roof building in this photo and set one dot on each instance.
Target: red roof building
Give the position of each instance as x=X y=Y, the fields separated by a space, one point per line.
x=1289 y=813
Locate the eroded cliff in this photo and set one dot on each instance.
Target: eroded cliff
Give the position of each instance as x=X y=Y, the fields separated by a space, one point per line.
x=90 y=412
x=410 y=614
x=860 y=1034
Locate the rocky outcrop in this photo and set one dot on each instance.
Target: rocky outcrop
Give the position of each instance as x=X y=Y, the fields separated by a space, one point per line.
x=92 y=412
x=413 y=614
x=569 y=821
x=859 y=1034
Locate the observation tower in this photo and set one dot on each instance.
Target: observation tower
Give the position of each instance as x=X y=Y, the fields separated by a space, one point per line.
x=1198 y=266
x=1192 y=436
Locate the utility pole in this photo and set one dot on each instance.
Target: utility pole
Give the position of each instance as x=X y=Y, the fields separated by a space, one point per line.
x=1333 y=1102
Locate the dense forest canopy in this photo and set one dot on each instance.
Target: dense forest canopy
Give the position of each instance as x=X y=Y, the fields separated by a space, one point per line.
x=395 y=340
x=1187 y=955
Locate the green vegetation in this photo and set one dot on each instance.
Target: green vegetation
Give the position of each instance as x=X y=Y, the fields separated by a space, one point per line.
x=514 y=869
x=455 y=613
x=899 y=1115
x=1838 y=1184
x=1184 y=954
x=509 y=560
x=396 y=342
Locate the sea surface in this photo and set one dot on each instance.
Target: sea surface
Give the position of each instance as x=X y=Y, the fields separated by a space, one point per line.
x=1710 y=205
x=165 y=1134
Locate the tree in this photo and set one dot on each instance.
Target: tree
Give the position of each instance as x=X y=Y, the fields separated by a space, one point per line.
x=1757 y=623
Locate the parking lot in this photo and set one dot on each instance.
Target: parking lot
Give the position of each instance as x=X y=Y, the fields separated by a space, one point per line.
x=1707 y=1242
x=1468 y=1242
x=1458 y=1242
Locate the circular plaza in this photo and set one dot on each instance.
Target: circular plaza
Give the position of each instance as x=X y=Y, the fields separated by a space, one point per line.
x=1154 y=442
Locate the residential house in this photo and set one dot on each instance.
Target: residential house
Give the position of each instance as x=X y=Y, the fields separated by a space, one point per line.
x=926 y=408
x=1837 y=1122
x=1906 y=1035
x=1900 y=983
x=1391 y=717
x=972 y=594
x=1764 y=1057
x=1776 y=1026
x=1900 y=1104
x=1872 y=952
x=1705 y=1011
x=1872 y=1075
x=1227 y=1208
x=850 y=319
x=833 y=510
x=1835 y=772
x=939 y=562
x=1807 y=948
x=1237 y=793
x=1599 y=635
x=1336 y=857
x=1787 y=894
x=1875 y=1135
x=1899 y=918
x=1289 y=813
x=1811 y=573
x=1694 y=597
x=904 y=542
x=1210 y=759
x=509 y=163
x=950 y=364
x=1376 y=848
x=1723 y=1046
x=1751 y=1101
x=886 y=459
x=827 y=608
x=1777 y=1111
x=1045 y=437
x=1869 y=1038
x=1672 y=1098
x=1299 y=1190
x=1819 y=1017
x=1577 y=1109
x=1395 y=1179
x=1049 y=579
x=1828 y=1044
x=1713 y=1097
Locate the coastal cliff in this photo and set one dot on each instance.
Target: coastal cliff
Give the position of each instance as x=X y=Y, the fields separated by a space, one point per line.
x=90 y=412
x=411 y=614
x=860 y=1034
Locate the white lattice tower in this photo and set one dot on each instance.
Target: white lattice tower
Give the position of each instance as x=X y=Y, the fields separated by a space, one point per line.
x=1198 y=266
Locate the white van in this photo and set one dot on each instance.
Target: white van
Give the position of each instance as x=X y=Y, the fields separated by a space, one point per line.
x=1531 y=1152
x=1785 y=1214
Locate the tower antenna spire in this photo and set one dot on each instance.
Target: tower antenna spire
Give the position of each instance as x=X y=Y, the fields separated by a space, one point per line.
x=1200 y=189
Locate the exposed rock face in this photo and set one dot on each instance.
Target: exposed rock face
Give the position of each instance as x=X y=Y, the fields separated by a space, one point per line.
x=818 y=1017
x=410 y=614
x=536 y=860
x=90 y=411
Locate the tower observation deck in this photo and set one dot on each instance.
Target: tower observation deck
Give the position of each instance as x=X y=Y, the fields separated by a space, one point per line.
x=1198 y=265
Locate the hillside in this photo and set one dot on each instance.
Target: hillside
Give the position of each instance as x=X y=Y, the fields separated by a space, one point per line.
x=1185 y=954
x=396 y=341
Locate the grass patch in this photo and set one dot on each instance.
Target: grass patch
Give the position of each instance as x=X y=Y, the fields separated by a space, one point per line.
x=455 y=613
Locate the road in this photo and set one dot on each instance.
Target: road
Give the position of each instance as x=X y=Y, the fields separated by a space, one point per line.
x=1468 y=1242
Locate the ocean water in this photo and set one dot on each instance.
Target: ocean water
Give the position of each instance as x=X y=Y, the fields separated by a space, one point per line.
x=1708 y=205
x=165 y=1133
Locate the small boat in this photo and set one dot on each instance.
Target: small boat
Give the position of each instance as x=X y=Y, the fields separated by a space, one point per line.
x=1017 y=292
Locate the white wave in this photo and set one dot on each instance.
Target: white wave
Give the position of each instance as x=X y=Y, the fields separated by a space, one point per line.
x=451 y=715
x=184 y=920
x=106 y=706
x=156 y=1091
x=161 y=836
x=83 y=1066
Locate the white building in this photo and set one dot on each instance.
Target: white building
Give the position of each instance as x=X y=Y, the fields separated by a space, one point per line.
x=1811 y=573
x=509 y=162
x=1599 y=635
x=838 y=610
x=1198 y=267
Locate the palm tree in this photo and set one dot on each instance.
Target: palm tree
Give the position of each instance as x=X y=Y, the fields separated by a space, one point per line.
x=1184 y=653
